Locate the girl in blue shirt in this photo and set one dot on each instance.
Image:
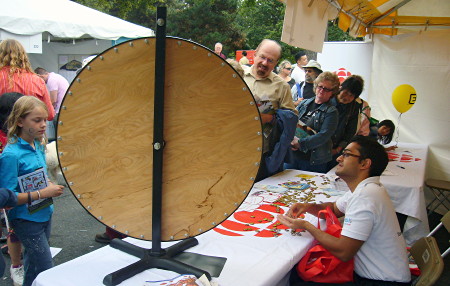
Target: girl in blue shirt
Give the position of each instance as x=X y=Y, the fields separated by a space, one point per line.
x=25 y=153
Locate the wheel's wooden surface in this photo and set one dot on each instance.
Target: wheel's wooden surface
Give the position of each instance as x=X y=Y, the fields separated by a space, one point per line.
x=212 y=135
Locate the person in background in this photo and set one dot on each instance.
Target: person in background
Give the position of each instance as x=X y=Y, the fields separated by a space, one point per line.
x=16 y=74
x=364 y=118
x=305 y=89
x=13 y=245
x=383 y=132
x=285 y=71
x=273 y=97
x=7 y=199
x=237 y=66
x=218 y=50
x=298 y=73
x=24 y=154
x=348 y=110
x=370 y=233
x=57 y=86
x=311 y=147
x=244 y=60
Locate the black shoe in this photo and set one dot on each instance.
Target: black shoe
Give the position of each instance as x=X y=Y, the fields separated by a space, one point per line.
x=102 y=238
x=5 y=249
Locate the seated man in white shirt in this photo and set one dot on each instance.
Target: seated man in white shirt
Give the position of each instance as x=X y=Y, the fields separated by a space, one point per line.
x=371 y=233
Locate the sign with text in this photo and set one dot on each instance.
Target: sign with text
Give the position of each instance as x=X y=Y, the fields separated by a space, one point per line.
x=31 y=43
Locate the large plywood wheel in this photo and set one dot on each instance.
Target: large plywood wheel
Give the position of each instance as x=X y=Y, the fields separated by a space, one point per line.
x=212 y=133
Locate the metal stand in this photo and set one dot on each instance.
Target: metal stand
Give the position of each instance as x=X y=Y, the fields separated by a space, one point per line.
x=156 y=257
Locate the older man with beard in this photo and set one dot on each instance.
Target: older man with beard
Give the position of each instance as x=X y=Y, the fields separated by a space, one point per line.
x=305 y=89
x=272 y=94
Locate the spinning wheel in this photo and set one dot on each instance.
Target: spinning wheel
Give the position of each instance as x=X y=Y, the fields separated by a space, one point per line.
x=212 y=134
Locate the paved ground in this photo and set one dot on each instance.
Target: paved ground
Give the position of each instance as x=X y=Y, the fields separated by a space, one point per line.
x=73 y=230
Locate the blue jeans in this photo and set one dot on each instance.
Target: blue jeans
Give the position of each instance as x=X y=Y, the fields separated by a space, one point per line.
x=35 y=240
x=304 y=165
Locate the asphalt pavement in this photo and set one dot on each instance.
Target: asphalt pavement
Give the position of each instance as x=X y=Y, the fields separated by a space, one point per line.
x=73 y=230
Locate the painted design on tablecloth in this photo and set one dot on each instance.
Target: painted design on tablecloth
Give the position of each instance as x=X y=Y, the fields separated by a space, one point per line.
x=404 y=157
x=257 y=215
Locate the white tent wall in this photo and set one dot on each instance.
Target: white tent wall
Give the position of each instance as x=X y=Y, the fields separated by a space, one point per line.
x=49 y=59
x=354 y=57
x=421 y=60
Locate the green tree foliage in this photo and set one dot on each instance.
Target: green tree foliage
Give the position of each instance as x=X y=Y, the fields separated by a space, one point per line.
x=206 y=22
x=260 y=20
x=237 y=24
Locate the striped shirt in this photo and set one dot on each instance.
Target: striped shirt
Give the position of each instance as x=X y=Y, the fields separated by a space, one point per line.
x=26 y=83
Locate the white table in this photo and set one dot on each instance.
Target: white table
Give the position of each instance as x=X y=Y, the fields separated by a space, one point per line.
x=251 y=259
x=404 y=180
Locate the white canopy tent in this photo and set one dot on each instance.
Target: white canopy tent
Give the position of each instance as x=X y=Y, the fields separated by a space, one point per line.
x=58 y=30
x=64 y=19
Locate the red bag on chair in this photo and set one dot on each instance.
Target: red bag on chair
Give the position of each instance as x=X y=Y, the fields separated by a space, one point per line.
x=319 y=265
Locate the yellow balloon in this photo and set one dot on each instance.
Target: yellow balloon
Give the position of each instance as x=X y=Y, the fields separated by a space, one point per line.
x=404 y=97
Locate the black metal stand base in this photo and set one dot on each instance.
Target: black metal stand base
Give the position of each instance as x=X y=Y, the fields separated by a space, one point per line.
x=149 y=259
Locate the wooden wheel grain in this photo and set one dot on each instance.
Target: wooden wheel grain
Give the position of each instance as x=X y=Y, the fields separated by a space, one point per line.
x=212 y=134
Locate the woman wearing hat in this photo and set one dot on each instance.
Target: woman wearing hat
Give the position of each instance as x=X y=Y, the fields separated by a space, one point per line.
x=318 y=119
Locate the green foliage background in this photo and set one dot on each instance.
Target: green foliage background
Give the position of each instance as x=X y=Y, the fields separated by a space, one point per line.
x=237 y=24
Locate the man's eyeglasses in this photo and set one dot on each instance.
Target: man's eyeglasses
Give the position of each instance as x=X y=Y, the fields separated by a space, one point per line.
x=324 y=88
x=346 y=154
x=270 y=61
x=288 y=69
x=309 y=70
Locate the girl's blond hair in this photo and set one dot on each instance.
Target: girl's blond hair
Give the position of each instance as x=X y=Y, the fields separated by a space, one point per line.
x=14 y=56
x=21 y=109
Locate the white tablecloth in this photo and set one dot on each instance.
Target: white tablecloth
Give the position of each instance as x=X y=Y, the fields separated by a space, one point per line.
x=404 y=179
x=251 y=259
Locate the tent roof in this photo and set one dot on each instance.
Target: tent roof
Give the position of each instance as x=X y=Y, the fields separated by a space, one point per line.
x=64 y=19
x=392 y=17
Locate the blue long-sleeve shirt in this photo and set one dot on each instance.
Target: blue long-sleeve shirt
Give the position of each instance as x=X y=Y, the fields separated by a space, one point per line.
x=16 y=160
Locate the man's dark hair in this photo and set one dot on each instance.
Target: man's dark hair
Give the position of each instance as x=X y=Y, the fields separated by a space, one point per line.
x=7 y=101
x=40 y=71
x=299 y=55
x=354 y=84
x=244 y=53
x=369 y=148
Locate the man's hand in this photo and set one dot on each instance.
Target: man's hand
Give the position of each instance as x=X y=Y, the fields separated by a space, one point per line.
x=293 y=223
x=266 y=118
x=297 y=209
x=297 y=102
x=295 y=145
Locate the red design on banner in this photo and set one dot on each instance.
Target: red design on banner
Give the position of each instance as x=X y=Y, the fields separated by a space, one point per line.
x=226 y=232
x=342 y=74
x=267 y=233
x=232 y=225
x=253 y=217
x=404 y=158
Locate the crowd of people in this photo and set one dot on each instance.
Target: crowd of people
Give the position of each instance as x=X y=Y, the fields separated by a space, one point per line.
x=309 y=120
x=313 y=122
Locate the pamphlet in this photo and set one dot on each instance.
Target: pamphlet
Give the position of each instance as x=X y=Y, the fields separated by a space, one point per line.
x=265 y=107
x=183 y=279
x=32 y=182
x=303 y=130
